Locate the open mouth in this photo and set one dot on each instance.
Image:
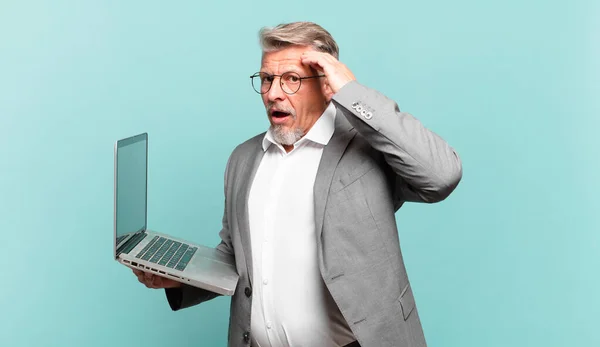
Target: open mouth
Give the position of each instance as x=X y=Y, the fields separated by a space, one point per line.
x=279 y=114
x=279 y=117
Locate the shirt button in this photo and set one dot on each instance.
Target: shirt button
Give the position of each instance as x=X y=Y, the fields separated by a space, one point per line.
x=268 y=325
x=265 y=281
x=246 y=337
x=248 y=291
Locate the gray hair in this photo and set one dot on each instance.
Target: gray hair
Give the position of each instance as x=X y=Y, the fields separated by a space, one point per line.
x=300 y=34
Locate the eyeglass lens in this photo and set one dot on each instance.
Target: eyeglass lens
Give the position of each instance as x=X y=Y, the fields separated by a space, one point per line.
x=290 y=82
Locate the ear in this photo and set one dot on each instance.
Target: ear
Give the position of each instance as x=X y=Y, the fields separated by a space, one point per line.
x=327 y=92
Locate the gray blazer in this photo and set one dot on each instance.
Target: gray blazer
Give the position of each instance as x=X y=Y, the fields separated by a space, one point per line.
x=377 y=159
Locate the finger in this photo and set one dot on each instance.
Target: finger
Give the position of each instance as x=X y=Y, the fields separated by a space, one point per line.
x=142 y=279
x=313 y=60
x=320 y=56
x=316 y=54
x=156 y=282
x=139 y=274
x=324 y=62
x=147 y=279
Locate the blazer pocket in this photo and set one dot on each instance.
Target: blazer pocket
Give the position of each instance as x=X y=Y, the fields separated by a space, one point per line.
x=407 y=301
x=351 y=177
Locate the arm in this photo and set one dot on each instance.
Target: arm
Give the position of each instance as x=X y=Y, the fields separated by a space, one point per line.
x=186 y=296
x=427 y=169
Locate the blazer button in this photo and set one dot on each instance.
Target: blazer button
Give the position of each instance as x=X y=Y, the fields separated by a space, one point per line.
x=246 y=336
x=248 y=291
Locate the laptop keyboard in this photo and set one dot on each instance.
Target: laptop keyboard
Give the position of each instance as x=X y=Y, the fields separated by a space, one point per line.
x=166 y=252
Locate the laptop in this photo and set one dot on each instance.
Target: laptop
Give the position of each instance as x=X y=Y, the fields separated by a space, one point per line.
x=137 y=247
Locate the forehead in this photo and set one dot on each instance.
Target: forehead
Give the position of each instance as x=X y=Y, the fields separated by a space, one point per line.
x=287 y=59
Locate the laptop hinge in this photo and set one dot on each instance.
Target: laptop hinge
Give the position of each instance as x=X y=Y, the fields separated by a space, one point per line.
x=131 y=243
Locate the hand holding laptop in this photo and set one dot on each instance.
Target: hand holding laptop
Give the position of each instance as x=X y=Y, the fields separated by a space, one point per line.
x=156 y=282
x=160 y=261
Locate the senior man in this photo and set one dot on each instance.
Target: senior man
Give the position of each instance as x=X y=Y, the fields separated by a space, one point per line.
x=310 y=205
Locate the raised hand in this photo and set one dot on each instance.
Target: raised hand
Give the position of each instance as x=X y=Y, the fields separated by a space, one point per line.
x=337 y=73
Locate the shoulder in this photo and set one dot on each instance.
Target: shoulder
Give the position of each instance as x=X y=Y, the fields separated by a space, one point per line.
x=248 y=145
x=244 y=149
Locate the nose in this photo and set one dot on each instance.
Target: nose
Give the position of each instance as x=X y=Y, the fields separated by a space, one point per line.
x=275 y=92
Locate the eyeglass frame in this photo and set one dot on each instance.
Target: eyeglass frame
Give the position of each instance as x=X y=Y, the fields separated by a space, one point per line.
x=257 y=74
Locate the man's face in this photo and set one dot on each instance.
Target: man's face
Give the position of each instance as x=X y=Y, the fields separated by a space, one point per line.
x=291 y=116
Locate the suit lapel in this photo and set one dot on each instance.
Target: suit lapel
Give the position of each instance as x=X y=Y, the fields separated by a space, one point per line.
x=247 y=176
x=329 y=161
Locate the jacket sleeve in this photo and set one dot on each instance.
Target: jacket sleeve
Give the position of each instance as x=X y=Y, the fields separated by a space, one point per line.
x=186 y=295
x=426 y=168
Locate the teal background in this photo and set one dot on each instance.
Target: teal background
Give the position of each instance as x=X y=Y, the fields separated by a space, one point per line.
x=510 y=259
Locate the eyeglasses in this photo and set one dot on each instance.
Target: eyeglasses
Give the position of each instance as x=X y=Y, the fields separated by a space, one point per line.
x=290 y=81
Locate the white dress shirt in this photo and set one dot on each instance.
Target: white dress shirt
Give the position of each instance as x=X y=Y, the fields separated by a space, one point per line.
x=291 y=307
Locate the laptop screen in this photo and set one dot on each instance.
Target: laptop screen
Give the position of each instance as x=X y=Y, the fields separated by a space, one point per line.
x=131 y=185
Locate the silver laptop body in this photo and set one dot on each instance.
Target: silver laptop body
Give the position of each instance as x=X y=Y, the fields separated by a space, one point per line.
x=137 y=247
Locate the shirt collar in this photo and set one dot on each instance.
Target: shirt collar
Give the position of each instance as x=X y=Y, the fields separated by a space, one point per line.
x=321 y=132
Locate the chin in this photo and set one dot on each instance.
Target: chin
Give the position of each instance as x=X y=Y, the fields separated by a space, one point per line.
x=286 y=135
